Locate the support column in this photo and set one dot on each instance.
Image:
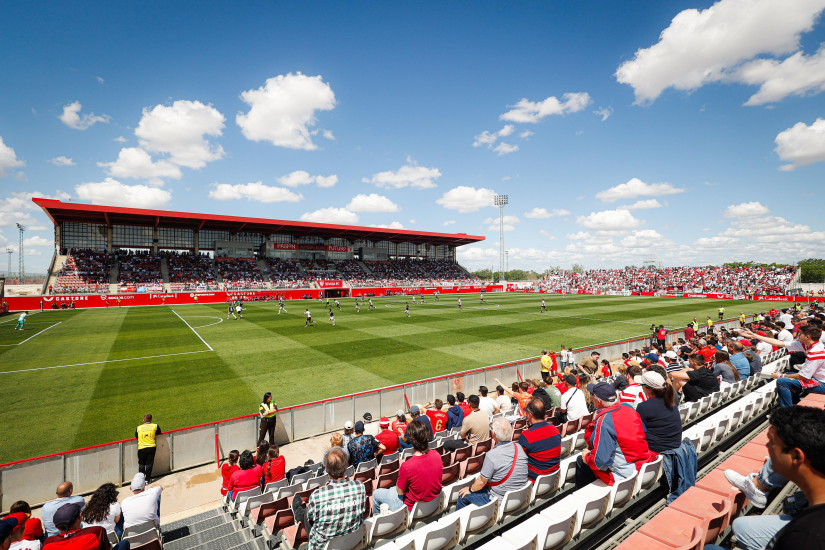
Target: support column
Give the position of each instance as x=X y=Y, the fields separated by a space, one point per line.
x=155 y=241
x=109 y=240
x=197 y=241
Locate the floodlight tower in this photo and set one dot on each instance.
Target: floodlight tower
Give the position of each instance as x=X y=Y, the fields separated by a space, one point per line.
x=500 y=201
x=20 y=265
x=9 y=251
x=507 y=261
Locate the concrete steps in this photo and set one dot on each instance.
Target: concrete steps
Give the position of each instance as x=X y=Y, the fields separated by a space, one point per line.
x=364 y=267
x=164 y=273
x=231 y=533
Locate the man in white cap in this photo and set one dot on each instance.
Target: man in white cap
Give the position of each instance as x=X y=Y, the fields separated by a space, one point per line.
x=672 y=361
x=348 y=435
x=143 y=505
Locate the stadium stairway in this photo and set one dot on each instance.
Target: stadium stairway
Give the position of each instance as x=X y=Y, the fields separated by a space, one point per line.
x=550 y=515
x=113 y=273
x=164 y=273
x=263 y=271
x=364 y=267
x=51 y=278
x=217 y=272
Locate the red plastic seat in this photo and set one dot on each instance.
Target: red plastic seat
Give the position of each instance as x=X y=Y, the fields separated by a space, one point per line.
x=388 y=467
x=472 y=465
x=385 y=481
x=259 y=514
x=640 y=541
x=462 y=454
x=754 y=451
x=674 y=528
x=706 y=505
x=295 y=535
x=450 y=474
x=741 y=464
x=715 y=482
x=483 y=446
x=280 y=521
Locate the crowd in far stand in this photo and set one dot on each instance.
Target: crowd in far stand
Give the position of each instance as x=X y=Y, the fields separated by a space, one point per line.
x=139 y=268
x=84 y=270
x=240 y=273
x=286 y=274
x=190 y=272
x=714 y=279
x=412 y=272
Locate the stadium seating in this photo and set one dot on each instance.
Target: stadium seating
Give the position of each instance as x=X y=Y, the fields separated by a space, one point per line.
x=285 y=274
x=190 y=272
x=714 y=279
x=240 y=273
x=84 y=271
x=139 y=269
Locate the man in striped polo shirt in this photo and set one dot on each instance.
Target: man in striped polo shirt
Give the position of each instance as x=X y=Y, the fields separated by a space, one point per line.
x=541 y=442
x=633 y=394
x=811 y=376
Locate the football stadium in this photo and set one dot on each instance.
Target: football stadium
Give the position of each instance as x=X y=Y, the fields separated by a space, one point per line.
x=455 y=276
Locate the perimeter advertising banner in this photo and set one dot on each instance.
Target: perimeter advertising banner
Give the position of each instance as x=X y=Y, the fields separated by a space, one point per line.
x=330 y=284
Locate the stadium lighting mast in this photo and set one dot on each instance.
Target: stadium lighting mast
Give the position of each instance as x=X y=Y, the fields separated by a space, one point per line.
x=500 y=201
x=20 y=265
x=9 y=251
x=507 y=261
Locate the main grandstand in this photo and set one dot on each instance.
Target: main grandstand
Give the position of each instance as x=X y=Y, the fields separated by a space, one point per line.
x=106 y=249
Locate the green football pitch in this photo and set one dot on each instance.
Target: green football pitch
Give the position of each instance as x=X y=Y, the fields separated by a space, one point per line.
x=80 y=377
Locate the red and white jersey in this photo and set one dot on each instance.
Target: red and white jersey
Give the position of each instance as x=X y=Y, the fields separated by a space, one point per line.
x=814 y=365
x=633 y=395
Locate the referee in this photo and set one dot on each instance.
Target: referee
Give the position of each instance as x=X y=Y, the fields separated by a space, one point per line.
x=145 y=435
x=268 y=410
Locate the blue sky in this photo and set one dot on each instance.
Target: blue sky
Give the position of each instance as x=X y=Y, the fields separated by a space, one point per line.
x=690 y=130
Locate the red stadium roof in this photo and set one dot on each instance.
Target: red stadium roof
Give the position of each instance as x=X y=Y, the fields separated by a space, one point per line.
x=60 y=211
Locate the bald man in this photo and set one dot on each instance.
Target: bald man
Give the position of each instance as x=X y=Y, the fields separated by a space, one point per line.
x=64 y=496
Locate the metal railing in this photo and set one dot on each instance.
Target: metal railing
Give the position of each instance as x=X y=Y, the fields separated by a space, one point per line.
x=34 y=480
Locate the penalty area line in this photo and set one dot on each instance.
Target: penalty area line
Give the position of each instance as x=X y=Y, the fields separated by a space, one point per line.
x=193 y=330
x=109 y=361
x=32 y=336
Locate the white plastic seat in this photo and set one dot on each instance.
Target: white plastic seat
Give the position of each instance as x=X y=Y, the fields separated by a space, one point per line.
x=113 y=540
x=407 y=453
x=319 y=481
x=351 y=541
x=289 y=490
x=514 y=500
x=566 y=445
x=500 y=543
x=704 y=404
x=386 y=459
x=735 y=419
x=301 y=478
x=725 y=393
x=550 y=529
x=693 y=410
x=275 y=485
x=648 y=475
x=695 y=439
x=567 y=470
x=422 y=510
x=472 y=519
x=544 y=485
x=142 y=538
x=715 y=398
x=620 y=492
x=683 y=412
x=142 y=528
x=366 y=465
x=386 y=526
x=746 y=412
x=434 y=536
x=243 y=496
x=253 y=502
x=349 y=472
x=449 y=494
x=707 y=433
x=591 y=502
x=579 y=441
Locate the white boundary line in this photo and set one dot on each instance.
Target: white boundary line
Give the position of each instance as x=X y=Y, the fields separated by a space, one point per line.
x=193 y=330
x=220 y=319
x=101 y=362
x=32 y=336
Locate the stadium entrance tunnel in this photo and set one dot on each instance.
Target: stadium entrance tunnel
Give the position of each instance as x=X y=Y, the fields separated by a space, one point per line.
x=336 y=293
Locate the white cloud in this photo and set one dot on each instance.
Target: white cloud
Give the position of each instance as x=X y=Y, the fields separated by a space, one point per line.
x=282 y=110
x=300 y=177
x=746 y=210
x=372 y=203
x=328 y=134
x=411 y=174
x=796 y=75
x=526 y=134
x=545 y=233
x=120 y=139
x=8 y=159
x=644 y=238
x=604 y=113
x=413 y=222
x=254 y=192
x=331 y=215
x=393 y=225
x=71 y=117
x=801 y=145
x=507 y=219
x=467 y=199
x=705 y=46
x=529 y=111
x=449 y=222
x=20 y=176
x=113 y=193
x=505 y=148
x=608 y=220
x=542 y=213
x=99 y=79
x=37 y=241
x=488 y=139
x=134 y=162
x=62 y=161
x=643 y=205
x=580 y=236
x=17 y=208
x=178 y=130
x=637 y=188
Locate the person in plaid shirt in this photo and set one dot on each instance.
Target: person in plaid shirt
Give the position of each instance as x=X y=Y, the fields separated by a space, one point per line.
x=338 y=507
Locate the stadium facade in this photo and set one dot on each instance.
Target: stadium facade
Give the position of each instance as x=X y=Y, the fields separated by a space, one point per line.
x=83 y=226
